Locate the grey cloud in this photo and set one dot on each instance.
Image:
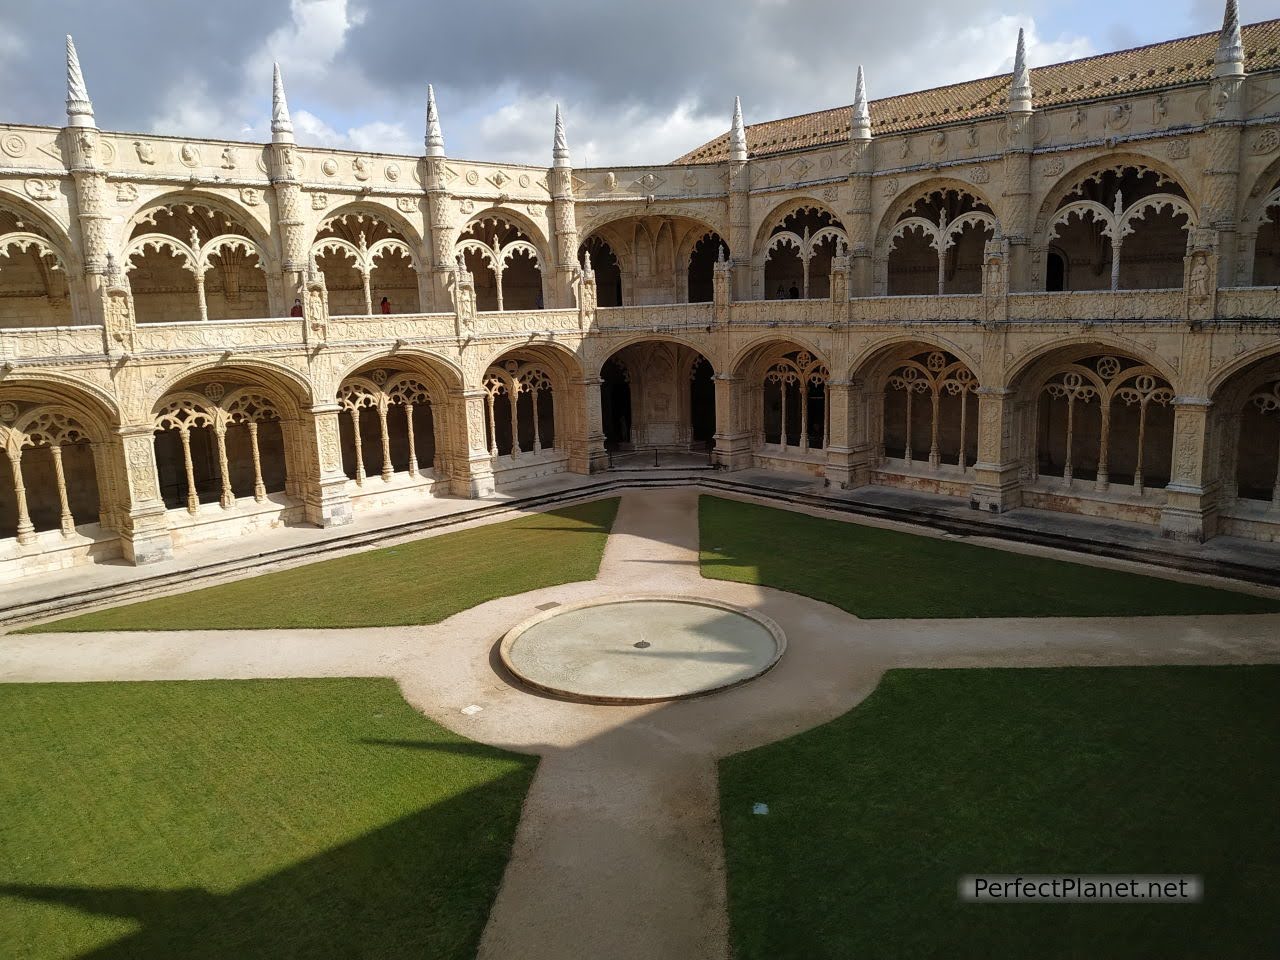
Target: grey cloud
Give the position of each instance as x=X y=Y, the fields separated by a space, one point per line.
x=132 y=53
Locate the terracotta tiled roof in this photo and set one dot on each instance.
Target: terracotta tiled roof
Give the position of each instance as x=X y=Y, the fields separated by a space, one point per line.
x=1172 y=63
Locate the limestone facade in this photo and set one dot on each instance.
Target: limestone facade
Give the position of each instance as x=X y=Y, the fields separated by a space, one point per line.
x=199 y=338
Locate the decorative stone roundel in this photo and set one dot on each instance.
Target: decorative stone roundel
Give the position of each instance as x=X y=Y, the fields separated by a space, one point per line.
x=379 y=377
x=13 y=145
x=8 y=412
x=330 y=167
x=392 y=172
x=1108 y=367
x=215 y=391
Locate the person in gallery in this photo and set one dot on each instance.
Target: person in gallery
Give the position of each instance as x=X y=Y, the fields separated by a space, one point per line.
x=296 y=309
x=386 y=305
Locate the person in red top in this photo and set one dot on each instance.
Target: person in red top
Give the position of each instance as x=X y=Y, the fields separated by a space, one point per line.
x=296 y=310
x=386 y=305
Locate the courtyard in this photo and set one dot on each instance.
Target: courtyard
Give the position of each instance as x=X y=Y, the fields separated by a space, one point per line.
x=332 y=759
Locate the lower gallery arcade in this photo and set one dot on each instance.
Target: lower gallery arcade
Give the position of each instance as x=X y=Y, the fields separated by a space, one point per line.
x=1085 y=429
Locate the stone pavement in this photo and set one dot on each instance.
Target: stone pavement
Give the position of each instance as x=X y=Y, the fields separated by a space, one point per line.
x=618 y=853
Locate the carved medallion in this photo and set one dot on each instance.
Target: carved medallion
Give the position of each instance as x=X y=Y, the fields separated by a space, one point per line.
x=13 y=145
x=8 y=412
x=329 y=167
x=189 y=155
x=40 y=189
x=392 y=172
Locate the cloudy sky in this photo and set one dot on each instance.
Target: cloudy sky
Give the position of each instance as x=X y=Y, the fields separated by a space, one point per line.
x=640 y=82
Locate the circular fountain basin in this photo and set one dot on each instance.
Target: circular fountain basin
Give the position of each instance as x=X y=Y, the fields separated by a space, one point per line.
x=641 y=649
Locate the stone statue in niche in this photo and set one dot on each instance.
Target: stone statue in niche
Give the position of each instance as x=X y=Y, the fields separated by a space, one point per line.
x=1199 y=282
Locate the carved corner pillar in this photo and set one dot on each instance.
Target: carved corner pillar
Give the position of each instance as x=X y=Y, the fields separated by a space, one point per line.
x=1191 y=504
x=473 y=467
x=565 y=242
x=586 y=433
x=740 y=227
x=996 y=485
x=733 y=431
x=1016 y=223
x=848 y=446
x=143 y=527
x=439 y=265
x=858 y=221
x=324 y=489
x=283 y=164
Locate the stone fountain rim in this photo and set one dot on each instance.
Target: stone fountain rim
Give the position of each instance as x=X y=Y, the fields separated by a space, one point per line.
x=512 y=635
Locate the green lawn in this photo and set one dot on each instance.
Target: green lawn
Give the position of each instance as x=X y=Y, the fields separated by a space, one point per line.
x=423 y=581
x=877 y=573
x=873 y=818
x=247 y=819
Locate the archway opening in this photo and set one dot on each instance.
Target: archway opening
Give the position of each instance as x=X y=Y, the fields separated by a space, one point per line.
x=936 y=245
x=659 y=395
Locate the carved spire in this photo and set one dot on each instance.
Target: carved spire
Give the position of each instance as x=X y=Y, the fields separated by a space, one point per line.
x=1020 y=87
x=79 y=108
x=586 y=264
x=281 y=125
x=737 y=134
x=560 y=147
x=434 y=139
x=1229 y=60
x=860 y=128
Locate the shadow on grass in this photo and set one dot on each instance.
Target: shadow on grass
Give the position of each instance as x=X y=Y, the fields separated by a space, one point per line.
x=393 y=892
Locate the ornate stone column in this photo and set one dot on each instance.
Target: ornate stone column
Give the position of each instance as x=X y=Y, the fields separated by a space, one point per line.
x=80 y=142
x=473 y=468
x=283 y=171
x=564 y=223
x=586 y=439
x=1191 y=505
x=996 y=487
x=1225 y=137
x=739 y=176
x=144 y=531
x=848 y=447
x=1017 y=220
x=324 y=489
x=858 y=217
x=733 y=426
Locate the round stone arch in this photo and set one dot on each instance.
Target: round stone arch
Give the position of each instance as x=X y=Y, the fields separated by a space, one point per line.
x=98 y=407
x=1243 y=438
x=739 y=363
x=37 y=254
x=1063 y=185
x=1263 y=195
x=288 y=387
x=256 y=224
x=57 y=232
x=1104 y=442
x=388 y=214
x=537 y=236
x=908 y=197
x=83 y=483
x=565 y=363
x=602 y=349
x=443 y=372
x=904 y=201
x=783 y=209
x=920 y=394
x=1068 y=349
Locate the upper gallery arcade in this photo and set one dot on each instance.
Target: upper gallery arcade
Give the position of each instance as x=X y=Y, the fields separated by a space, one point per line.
x=1056 y=288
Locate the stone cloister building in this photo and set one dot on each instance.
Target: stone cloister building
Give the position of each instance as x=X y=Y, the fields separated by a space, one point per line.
x=1058 y=288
